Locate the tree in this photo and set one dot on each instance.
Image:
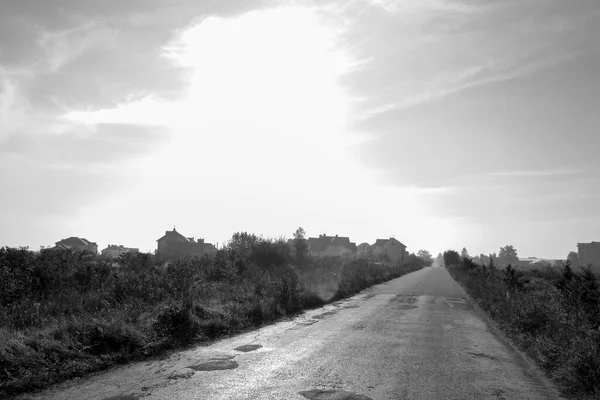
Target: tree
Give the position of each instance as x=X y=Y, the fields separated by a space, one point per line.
x=425 y=256
x=242 y=242
x=451 y=257
x=485 y=260
x=573 y=258
x=464 y=253
x=508 y=255
x=414 y=261
x=439 y=260
x=364 y=250
x=300 y=246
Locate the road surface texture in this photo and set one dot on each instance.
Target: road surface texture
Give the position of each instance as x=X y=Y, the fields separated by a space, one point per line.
x=416 y=337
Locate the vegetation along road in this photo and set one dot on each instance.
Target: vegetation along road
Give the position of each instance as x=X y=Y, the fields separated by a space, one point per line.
x=415 y=337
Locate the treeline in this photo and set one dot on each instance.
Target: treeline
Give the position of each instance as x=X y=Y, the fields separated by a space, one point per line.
x=64 y=313
x=552 y=314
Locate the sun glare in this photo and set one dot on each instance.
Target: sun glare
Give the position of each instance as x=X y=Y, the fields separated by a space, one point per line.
x=263 y=124
x=263 y=76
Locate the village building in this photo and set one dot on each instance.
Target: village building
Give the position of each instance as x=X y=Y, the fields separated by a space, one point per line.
x=115 y=251
x=589 y=254
x=391 y=248
x=76 y=244
x=331 y=246
x=174 y=245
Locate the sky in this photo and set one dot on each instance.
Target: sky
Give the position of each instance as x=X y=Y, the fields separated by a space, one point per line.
x=445 y=124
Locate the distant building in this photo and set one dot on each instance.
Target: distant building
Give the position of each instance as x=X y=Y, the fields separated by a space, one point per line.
x=174 y=245
x=77 y=244
x=589 y=254
x=331 y=246
x=535 y=262
x=391 y=247
x=114 y=251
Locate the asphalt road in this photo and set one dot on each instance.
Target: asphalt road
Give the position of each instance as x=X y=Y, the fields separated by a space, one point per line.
x=416 y=337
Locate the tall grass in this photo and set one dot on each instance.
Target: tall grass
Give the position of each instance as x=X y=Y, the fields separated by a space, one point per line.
x=63 y=314
x=552 y=314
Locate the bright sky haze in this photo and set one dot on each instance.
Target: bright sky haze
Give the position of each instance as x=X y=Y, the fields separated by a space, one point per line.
x=442 y=123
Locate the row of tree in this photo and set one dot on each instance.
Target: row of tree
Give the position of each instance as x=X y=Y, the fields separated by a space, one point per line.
x=506 y=256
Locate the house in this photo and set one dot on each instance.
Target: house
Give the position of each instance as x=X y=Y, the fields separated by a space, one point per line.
x=77 y=244
x=331 y=246
x=174 y=245
x=589 y=254
x=391 y=247
x=114 y=251
x=534 y=262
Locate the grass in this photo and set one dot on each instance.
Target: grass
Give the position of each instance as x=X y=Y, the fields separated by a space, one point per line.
x=66 y=314
x=552 y=314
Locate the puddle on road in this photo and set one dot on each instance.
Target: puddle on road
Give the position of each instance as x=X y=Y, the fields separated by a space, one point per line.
x=185 y=375
x=318 y=394
x=308 y=322
x=216 y=363
x=248 y=347
x=474 y=354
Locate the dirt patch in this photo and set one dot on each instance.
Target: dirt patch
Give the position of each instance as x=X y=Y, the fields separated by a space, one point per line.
x=498 y=393
x=326 y=314
x=123 y=397
x=222 y=357
x=461 y=304
x=359 y=327
x=402 y=302
x=408 y=299
x=318 y=394
x=216 y=364
x=406 y=307
x=248 y=347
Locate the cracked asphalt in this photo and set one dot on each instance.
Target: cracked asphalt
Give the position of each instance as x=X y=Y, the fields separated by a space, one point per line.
x=415 y=337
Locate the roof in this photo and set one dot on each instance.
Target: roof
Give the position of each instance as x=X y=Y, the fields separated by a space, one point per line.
x=118 y=247
x=383 y=242
x=173 y=235
x=320 y=244
x=75 y=241
x=592 y=244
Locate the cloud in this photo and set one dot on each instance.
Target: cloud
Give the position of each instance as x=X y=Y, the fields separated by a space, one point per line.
x=440 y=54
x=534 y=173
x=102 y=144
